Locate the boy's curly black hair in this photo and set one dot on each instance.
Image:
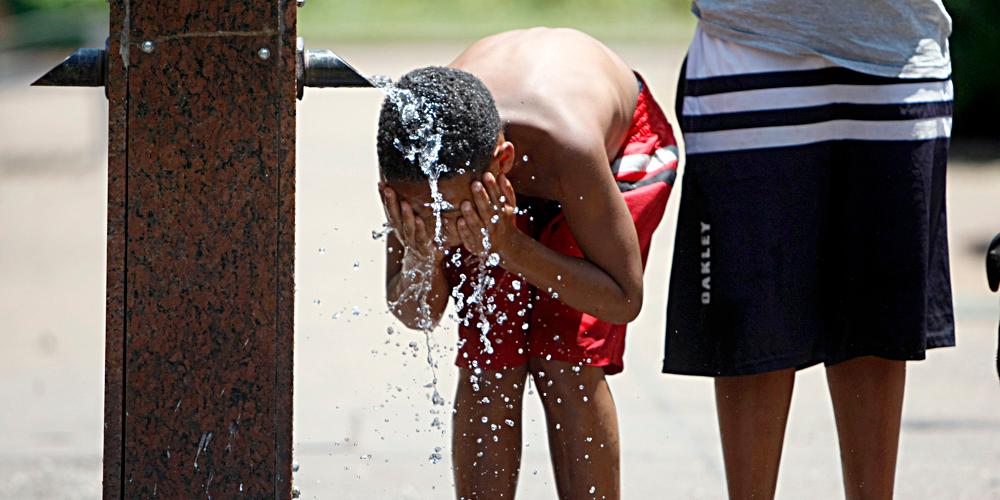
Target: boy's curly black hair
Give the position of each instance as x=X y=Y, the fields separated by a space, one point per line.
x=465 y=113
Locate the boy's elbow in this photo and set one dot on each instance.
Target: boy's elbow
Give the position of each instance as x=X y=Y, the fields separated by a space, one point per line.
x=632 y=308
x=627 y=310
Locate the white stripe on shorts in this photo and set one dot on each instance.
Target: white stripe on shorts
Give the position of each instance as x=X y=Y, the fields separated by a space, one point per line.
x=645 y=163
x=792 y=135
x=801 y=97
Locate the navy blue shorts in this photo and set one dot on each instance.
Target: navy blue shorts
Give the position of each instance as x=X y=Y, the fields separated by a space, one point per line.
x=812 y=224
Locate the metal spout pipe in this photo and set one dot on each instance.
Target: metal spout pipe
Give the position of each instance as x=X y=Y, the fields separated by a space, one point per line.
x=83 y=68
x=321 y=68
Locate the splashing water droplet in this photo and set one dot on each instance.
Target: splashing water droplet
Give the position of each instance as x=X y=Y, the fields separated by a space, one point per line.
x=437 y=399
x=378 y=234
x=493 y=260
x=356 y=311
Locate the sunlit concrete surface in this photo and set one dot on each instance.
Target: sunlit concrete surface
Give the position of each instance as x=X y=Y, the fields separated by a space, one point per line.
x=362 y=414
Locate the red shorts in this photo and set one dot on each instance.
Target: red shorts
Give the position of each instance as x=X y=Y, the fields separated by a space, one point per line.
x=524 y=323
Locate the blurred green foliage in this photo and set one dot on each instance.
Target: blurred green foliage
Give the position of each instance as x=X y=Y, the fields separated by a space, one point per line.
x=20 y=6
x=52 y=23
x=975 y=54
x=381 y=20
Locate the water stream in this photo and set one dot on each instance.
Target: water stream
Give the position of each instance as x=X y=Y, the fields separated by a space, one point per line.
x=419 y=117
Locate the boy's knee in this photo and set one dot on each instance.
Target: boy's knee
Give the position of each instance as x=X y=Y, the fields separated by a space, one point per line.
x=566 y=388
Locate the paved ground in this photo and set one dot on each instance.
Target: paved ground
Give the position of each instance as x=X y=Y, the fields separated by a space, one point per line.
x=362 y=416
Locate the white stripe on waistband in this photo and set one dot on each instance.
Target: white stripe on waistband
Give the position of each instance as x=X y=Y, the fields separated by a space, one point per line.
x=644 y=163
x=801 y=97
x=794 y=135
x=710 y=56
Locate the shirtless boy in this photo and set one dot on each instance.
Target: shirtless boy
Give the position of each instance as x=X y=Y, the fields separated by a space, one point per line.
x=555 y=150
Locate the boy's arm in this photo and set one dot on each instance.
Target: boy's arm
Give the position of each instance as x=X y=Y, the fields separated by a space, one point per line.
x=401 y=282
x=607 y=283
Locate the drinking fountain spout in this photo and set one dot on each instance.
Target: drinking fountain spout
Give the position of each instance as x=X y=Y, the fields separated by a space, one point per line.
x=83 y=68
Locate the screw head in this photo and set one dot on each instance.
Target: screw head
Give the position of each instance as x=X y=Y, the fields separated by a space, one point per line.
x=264 y=53
x=300 y=3
x=148 y=46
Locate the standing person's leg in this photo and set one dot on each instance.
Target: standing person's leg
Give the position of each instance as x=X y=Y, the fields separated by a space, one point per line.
x=753 y=411
x=747 y=285
x=867 y=395
x=582 y=429
x=485 y=451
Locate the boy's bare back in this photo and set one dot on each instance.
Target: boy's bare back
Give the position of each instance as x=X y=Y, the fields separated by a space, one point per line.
x=559 y=92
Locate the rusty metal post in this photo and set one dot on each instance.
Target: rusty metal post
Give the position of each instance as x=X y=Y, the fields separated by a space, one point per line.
x=201 y=212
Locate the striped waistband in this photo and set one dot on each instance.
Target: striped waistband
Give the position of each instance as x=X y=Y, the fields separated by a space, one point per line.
x=649 y=153
x=736 y=97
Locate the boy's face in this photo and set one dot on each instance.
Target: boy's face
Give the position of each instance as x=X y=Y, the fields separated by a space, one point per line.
x=455 y=190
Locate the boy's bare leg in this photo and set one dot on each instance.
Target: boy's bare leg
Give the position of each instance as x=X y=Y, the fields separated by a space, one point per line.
x=486 y=454
x=582 y=429
x=753 y=410
x=867 y=398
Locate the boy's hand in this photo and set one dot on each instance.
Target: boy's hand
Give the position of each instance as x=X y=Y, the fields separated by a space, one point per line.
x=491 y=212
x=409 y=229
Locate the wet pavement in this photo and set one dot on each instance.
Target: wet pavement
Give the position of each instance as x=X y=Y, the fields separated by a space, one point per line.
x=362 y=415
